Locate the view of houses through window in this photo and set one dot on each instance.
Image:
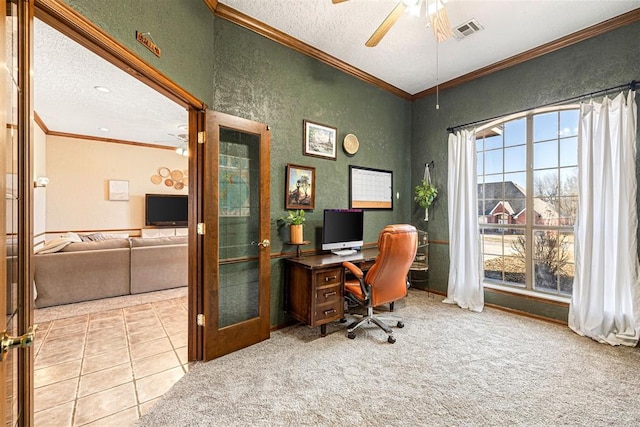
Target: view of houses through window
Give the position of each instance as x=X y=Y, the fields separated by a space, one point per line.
x=528 y=200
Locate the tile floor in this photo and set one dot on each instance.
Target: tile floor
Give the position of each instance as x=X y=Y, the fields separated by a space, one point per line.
x=108 y=368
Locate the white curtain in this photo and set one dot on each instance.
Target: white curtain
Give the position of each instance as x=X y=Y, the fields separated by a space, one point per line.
x=465 y=268
x=605 y=304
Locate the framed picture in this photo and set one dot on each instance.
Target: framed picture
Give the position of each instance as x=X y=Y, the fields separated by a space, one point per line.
x=300 y=191
x=320 y=140
x=370 y=188
x=118 y=190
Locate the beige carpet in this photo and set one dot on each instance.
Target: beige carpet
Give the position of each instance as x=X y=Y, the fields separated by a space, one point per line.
x=448 y=367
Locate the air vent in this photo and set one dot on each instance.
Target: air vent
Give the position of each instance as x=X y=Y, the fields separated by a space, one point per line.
x=465 y=30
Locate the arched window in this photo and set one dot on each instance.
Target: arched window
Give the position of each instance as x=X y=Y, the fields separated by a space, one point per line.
x=527 y=171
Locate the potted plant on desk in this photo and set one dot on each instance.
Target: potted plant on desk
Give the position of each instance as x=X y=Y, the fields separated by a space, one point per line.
x=295 y=220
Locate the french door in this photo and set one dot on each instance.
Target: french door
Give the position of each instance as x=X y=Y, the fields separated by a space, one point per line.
x=236 y=232
x=16 y=365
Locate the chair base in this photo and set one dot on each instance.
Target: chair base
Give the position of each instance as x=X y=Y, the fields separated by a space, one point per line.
x=376 y=320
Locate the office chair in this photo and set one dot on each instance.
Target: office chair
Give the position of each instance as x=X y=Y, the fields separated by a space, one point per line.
x=386 y=280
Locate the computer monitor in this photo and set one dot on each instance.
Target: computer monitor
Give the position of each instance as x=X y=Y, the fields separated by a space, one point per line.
x=342 y=229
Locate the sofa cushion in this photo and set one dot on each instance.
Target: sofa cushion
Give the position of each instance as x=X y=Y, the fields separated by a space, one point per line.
x=93 y=246
x=138 y=242
x=160 y=266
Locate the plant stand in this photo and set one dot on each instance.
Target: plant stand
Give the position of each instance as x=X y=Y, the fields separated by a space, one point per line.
x=297 y=245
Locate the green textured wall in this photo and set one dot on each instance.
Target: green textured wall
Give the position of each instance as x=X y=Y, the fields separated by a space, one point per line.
x=238 y=72
x=598 y=63
x=260 y=80
x=183 y=29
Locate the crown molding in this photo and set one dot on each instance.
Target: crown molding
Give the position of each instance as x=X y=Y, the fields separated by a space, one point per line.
x=111 y=140
x=232 y=15
x=212 y=5
x=578 y=36
x=40 y=123
x=229 y=14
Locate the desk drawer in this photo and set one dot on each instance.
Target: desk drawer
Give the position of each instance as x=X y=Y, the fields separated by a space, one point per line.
x=328 y=295
x=325 y=313
x=328 y=277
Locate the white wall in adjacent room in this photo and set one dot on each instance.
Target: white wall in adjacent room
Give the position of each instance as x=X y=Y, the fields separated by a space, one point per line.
x=39 y=193
x=79 y=171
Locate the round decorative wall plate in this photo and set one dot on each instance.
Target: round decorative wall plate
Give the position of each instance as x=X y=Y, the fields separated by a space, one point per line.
x=164 y=171
x=350 y=144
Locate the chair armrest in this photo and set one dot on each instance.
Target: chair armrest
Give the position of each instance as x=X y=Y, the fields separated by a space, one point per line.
x=353 y=269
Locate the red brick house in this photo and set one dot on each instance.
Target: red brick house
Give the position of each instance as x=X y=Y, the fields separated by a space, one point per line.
x=504 y=203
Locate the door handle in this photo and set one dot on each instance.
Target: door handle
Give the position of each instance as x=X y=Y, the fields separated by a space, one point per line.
x=23 y=341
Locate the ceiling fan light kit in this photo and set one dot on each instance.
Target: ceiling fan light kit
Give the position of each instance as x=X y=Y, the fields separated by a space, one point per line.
x=435 y=11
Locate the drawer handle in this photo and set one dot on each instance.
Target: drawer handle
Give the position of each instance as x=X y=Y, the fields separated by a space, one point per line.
x=330 y=294
x=328 y=312
x=329 y=278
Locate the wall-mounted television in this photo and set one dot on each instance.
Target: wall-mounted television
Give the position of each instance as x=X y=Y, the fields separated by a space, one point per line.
x=342 y=229
x=166 y=210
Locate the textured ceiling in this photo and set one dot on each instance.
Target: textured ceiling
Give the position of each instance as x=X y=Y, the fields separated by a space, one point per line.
x=406 y=56
x=65 y=73
x=65 y=98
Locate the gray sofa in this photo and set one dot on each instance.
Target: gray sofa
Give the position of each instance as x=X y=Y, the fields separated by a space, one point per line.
x=158 y=263
x=86 y=271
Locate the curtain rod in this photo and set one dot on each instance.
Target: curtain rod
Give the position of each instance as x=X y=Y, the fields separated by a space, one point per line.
x=631 y=85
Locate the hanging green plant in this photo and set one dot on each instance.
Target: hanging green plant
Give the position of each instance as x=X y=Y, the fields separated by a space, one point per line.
x=425 y=194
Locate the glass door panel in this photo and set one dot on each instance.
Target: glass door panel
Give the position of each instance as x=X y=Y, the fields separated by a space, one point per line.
x=13 y=369
x=239 y=226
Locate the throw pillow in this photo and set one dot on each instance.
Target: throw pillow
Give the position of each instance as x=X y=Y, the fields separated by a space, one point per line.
x=95 y=237
x=54 y=245
x=74 y=237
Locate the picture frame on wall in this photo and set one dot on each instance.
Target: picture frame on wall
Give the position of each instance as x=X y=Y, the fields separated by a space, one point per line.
x=300 y=187
x=320 y=140
x=118 y=190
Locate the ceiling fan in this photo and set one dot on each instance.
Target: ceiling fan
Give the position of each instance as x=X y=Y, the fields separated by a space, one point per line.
x=183 y=145
x=433 y=8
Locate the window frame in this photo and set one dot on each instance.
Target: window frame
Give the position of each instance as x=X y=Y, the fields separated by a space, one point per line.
x=529 y=227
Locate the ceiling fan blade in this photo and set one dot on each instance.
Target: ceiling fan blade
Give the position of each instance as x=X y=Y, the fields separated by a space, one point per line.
x=338 y=1
x=386 y=25
x=441 y=26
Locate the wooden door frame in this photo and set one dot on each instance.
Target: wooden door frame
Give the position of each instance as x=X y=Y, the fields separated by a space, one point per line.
x=64 y=19
x=3 y=243
x=24 y=238
x=25 y=204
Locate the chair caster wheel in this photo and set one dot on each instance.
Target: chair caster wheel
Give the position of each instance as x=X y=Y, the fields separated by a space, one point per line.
x=351 y=335
x=400 y=324
x=391 y=339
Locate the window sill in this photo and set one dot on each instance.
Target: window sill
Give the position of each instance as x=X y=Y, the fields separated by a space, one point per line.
x=561 y=300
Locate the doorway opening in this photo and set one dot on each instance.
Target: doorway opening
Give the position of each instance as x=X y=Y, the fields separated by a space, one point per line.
x=112 y=303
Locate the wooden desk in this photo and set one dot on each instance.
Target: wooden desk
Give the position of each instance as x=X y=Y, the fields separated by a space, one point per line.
x=315 y=286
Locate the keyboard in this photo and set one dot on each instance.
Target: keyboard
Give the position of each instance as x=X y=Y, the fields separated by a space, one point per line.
x=344 y=252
